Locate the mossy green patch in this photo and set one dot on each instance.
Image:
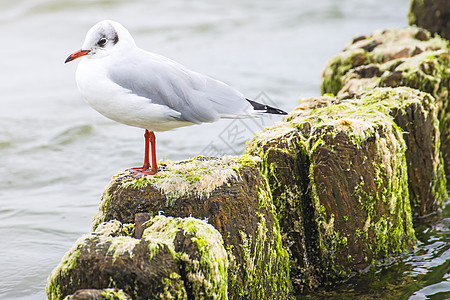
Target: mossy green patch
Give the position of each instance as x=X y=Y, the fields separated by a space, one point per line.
x=339 y=66
x=399 y=57
x=198 y=176
x=209 y=274
x=391 y=102
x=306 y=136
x=224 y=188
x=205 y=268
x=382 y=51
x=68 y=262
x=107 y=294
x=114 y=294
x=359 y=124
x=260 y=256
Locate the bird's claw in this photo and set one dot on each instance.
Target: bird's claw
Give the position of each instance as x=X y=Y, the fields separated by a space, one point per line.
x=140 y=172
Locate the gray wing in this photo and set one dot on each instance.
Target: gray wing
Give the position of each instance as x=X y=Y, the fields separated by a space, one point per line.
x=198 y=98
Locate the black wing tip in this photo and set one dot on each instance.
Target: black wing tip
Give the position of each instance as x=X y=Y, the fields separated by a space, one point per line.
x=266 y=108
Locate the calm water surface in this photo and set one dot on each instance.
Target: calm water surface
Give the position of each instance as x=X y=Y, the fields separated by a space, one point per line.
x=57 y=154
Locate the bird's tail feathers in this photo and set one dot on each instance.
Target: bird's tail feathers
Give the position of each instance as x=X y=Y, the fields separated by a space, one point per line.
x=266 y=108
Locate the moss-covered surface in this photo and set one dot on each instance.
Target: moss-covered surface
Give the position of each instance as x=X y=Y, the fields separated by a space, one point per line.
x=383 y=50
x=391 y=58
x=93 y=294
x=415 y=113
x=232 y=195
x=339 y=180
x=177 y=258
x=197 y=177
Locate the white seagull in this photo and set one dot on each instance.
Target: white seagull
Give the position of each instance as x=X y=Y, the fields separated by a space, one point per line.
x=146 y=90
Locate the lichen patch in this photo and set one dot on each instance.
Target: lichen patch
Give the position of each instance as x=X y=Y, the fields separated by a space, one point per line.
x=199 y=176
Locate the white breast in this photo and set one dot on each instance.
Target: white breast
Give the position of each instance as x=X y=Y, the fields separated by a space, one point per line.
x=119 y=104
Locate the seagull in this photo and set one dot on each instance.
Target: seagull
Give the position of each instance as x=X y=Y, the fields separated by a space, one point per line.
x=146 y=90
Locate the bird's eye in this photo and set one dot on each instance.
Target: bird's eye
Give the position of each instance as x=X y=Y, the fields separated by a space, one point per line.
x=101 y=42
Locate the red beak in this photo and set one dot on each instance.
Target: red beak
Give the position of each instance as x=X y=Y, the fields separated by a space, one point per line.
x=77 y=54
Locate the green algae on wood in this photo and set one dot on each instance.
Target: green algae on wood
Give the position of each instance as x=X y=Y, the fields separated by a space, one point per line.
x=177 y=258
x=397 y=57
x=206 y=271
x=378 y=49
x=233 y=196
x=196 y=177
x=415 y=113
x=336 y=171
x=107 y=294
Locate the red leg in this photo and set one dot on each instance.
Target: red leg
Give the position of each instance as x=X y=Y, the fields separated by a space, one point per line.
x=144 y=170
x=146 y=164
x=154 y=168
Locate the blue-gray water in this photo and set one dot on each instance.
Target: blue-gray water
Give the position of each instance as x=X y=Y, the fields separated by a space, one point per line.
x=57 y=154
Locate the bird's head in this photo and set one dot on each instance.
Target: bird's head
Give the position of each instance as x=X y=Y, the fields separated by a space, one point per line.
x=103 y=39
